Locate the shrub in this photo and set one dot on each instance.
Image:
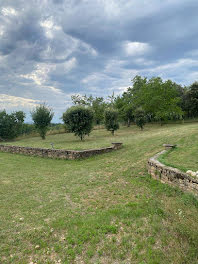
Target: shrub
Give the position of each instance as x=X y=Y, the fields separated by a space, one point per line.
x=79 y=120
x=42 y=117
x=111 y=120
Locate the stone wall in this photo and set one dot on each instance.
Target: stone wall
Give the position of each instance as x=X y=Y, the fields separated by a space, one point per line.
x=58 y=153
x=171 y=176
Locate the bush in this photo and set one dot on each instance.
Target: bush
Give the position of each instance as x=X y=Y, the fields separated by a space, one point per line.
x=140 y=118
x=11 y=124
x=42 y=117
x=111 y=120
x=79 y=120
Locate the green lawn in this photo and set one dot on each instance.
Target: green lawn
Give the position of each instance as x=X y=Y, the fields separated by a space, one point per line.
x=105 y=209
x=185 y=155
x=98 y=138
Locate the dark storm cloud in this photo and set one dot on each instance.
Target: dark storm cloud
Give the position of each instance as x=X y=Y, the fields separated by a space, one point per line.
x=51 y=49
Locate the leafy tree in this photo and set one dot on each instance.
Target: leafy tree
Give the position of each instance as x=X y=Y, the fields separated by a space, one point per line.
x=11 y=124
x=140 y=117
x=111 y=120
x=81 y=100
x=79 y=120
x=191 y=100
x=159 y=99
x=112 y=100
x=135 y=91
x=97 y=105
x=42 y=117
x=125 y=107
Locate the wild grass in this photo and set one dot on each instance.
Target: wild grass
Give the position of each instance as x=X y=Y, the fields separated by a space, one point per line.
x=105 y=209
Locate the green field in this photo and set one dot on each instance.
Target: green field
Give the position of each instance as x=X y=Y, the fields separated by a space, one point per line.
x=105 y=209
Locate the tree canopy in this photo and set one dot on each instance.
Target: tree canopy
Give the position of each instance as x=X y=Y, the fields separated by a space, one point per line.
x=79 y=120
x=111 y=120
x=11 y=124
x=42 y=117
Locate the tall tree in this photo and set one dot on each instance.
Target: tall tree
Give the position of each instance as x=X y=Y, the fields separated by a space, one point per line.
x=159 y=99
x=42 y=117
x=191 y=100
x=125 y=106
x=98 y=106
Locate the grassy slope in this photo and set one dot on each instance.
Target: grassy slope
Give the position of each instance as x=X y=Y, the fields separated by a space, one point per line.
x=105 y=209
x=184 y=156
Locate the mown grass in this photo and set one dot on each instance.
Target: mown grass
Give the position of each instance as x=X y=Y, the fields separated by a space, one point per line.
x=98 y=138
x=105 y=209
x=184 y=157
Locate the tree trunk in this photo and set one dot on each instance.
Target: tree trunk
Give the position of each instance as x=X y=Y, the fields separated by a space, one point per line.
x=128 y=123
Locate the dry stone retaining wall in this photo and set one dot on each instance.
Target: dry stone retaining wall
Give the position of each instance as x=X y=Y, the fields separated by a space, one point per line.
x=58 y=153
x=171 y=176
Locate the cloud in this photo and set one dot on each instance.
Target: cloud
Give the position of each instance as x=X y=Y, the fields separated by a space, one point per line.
x=136 y=48
x=14 y=102
x=9 y=11
x=52 y=49
x=40 y=74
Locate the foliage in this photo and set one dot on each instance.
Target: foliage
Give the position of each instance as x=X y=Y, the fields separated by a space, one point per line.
x=79 y=120
x=140 y=117
x=42 y=117
x=28 y=129
x=125 y=107
x=11 y=124
x=191 y=100
x=157 y=98
x=111 y=101
x=81 y=100
x=97 y=105
x=111 y=120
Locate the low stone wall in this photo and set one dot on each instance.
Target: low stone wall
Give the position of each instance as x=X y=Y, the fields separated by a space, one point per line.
x=58 y=153
x=171 y=176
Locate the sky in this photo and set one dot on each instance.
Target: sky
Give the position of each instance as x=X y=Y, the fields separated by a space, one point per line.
x=52 y=49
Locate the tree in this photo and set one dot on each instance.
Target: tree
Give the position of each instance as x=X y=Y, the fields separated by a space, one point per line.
x=125 y=107
x=111 y=120
x=140 y=118
x=11 y=124
x=42 y=117
x=111 y=99
x=159 y=99
x=97 y=105
x=81 y=100
x=79 y=120
x=191 y=100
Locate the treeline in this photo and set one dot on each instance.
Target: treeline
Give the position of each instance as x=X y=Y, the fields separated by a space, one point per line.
x=12 y=125
x=150 y=100
x=147 y=100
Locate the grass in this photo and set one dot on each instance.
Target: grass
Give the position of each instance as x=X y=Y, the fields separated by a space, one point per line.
x=99 y=138
x=105 y=209
x=184 y=157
